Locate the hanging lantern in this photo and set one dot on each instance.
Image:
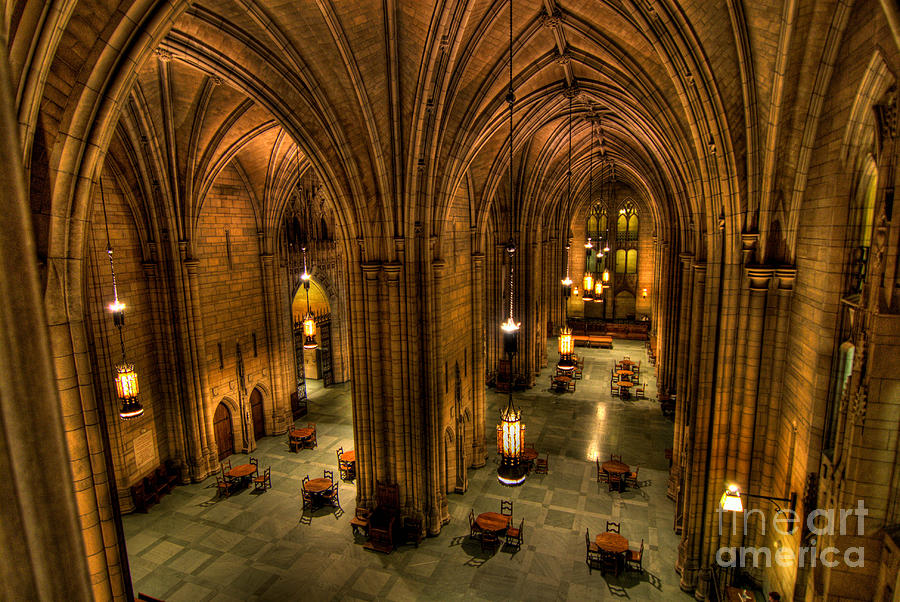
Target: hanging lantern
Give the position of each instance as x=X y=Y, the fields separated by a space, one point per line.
x=510 y=336
x=309 y=322
x=566 y=349
x=588 y=244
x=127 y=391
x=605 y=275
x=567 y=287
x=588 y=282
x=644 y=293
x=510 y=445
x=309 y=332
x=599 y=289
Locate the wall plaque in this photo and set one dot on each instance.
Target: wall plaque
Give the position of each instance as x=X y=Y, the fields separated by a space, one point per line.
x=144 y=450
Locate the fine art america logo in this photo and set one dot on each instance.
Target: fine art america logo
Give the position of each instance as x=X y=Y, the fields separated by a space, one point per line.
x=820 y=522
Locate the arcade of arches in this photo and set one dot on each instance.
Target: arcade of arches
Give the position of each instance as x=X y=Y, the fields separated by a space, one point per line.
x=737 y=159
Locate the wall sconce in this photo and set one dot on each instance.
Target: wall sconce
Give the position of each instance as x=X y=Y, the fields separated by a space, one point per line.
x=731 y=502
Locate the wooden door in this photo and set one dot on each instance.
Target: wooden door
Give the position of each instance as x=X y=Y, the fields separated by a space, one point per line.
x=224 y=432
x=256 y=411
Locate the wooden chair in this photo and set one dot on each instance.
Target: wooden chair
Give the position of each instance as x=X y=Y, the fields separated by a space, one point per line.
x=615 y=457
x=225 y=466
x=609 y=562
x=570 y=386
x=631 y=479
x=223 y=487
x=490 y=540
x=613 y=386
x=383 y=520
x=541 y=465
x=328 y=474
x=474 y=529
x=612 y=527
x=514 y=535
x=311 y=442
x=308 y=502
x=506 y=507
x=634 y=558
x=263 y=482
x=343 y=467
x=640 y=391
x=360 y=522
x=412 y=530
x=294 y=443
x=255 y=462
x=331 y=496
x=592 y=552
x=615 y=481
x=602 y=475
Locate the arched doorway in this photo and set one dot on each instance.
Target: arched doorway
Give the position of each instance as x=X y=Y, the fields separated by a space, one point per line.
x=224 y=431
x=256 y=413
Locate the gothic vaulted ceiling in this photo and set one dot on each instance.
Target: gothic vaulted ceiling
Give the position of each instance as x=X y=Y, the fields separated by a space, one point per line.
x=396 y=106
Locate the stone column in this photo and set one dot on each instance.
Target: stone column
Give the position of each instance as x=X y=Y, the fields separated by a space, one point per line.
x=681 y=371
x=278 y=349
x=696 y=445
x=479 y=453
x=49 y=562
x=208 y=451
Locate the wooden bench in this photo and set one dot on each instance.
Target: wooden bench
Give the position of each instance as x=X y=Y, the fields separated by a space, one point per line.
x=601 y=340
x=152 y=487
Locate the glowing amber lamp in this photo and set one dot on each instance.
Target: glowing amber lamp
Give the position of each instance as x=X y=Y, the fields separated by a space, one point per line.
x=731 y=500
x=510 y=445
x=127 y=391
x=566 y=344
x=309 y=332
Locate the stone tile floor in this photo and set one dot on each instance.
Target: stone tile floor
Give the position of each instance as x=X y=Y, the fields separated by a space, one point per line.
x=252 y=546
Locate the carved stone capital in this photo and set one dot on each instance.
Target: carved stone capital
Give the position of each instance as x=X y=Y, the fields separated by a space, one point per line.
x=392 y=271
x=758 y=278
x=786 y=278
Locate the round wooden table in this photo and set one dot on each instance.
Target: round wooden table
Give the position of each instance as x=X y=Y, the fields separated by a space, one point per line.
x=529 y=454
x=318 y=485
x=626 y=385
x=624 y=372
x=614 y=466
x=301 y=433
x=612 y=542
x=349 y=456
x=492 y=521
x=241 y=471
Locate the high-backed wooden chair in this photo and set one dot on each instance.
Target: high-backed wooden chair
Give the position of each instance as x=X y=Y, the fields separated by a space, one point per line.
x=542 y=465
x=489 y=540
x=506 y=507
x=514 y=535
x=634 y=559
x=360 y=522
x=263 y=481
x=384 y=519
x=602 y=475
x=223 y=487
x=592 y=552
x=612 y=527
x=474 y=529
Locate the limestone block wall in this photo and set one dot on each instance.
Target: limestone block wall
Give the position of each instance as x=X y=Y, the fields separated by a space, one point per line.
x=232 y=302
x=456 y=353
x=139 y=445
